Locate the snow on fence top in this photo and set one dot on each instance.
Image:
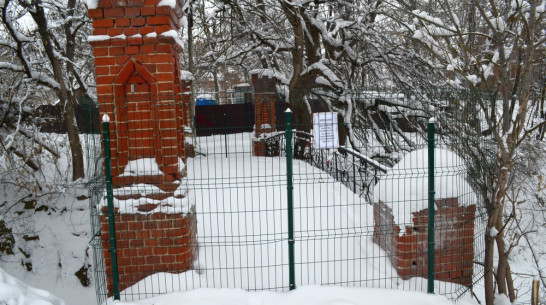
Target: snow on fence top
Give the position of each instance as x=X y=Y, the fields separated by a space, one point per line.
x=405 y=187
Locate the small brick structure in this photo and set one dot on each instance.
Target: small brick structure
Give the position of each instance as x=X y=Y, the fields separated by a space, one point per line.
x=454 y=238
x=144 y=92
x=264 y=84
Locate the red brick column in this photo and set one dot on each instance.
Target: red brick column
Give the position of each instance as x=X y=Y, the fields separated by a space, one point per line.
x=264 y=111
x=136 y=50
x=187 y=79
x=136 y=60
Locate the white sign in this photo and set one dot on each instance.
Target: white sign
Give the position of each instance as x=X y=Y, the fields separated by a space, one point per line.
x=325 y=130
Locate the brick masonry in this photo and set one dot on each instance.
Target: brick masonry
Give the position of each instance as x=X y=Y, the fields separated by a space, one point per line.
x=138 y=81
x=454 y=238
x=149 y=244
x=265 y=120
x=139 y=86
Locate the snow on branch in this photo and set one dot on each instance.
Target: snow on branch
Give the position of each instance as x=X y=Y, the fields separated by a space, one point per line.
x=325 y=71
x=12 y=67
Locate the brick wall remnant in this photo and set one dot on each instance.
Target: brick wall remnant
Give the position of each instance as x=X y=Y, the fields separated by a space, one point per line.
x=454 y=237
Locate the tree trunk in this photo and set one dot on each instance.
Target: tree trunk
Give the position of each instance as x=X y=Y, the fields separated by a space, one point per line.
x=503 y=259
x=67 y=100
x=74 y=141
x=489 y=263
x=489 y=281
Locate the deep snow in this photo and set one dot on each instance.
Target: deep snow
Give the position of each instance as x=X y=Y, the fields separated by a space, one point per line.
x=63 y=232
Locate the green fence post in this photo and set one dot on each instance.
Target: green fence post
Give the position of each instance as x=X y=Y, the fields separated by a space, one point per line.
x=431 y=195
x=110 y=201
x=290 y=197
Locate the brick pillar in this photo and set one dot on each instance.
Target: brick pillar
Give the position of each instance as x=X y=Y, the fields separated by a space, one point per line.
x=454 y=237
x=136 y=50
x=264 y=112
x=187 y=79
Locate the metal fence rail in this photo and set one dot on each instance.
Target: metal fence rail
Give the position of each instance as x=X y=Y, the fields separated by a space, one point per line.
x=337 y=230
x=356 y=171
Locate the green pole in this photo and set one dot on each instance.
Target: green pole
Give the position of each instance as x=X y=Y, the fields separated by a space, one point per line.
x=431 y=195
x=110 y=201
x=290 y=195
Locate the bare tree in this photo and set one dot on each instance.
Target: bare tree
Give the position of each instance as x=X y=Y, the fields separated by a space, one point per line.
x=495 y=46
x=45 y=42
x=325 y=50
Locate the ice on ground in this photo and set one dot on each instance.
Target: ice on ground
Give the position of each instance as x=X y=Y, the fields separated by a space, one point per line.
x=405 y=187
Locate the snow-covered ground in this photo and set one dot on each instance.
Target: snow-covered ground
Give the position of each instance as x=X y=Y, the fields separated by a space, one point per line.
x=15 y=292
x=306 y=295
x=241 y=205
x=49 y=221
x=235 y=250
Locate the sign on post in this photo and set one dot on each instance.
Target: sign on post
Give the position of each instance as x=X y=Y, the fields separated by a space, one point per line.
x=325 y=130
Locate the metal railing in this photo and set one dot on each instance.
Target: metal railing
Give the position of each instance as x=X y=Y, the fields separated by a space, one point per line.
x=242 y=215
x=354 y=170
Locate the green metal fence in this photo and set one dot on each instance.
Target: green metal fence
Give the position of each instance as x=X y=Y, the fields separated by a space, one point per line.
x=347 y=216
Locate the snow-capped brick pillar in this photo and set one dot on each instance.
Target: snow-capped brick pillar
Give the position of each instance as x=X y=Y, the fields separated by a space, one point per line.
x=136 y=48
x=454 y=236
x=264 y=84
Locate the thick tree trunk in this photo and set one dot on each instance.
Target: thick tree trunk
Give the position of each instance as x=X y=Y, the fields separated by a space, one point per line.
x=489 y=263
x=510 y=284
x=503 y=259
x=489 y=281
x=74 y=141
x=302 y=113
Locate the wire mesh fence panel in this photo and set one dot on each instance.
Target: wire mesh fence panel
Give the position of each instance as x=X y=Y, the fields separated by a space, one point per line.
x=212 y=210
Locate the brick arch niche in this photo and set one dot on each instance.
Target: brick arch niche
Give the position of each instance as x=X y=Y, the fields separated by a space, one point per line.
x=135 y=108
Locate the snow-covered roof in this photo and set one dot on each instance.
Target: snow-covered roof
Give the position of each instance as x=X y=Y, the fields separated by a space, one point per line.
x=405 y=187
